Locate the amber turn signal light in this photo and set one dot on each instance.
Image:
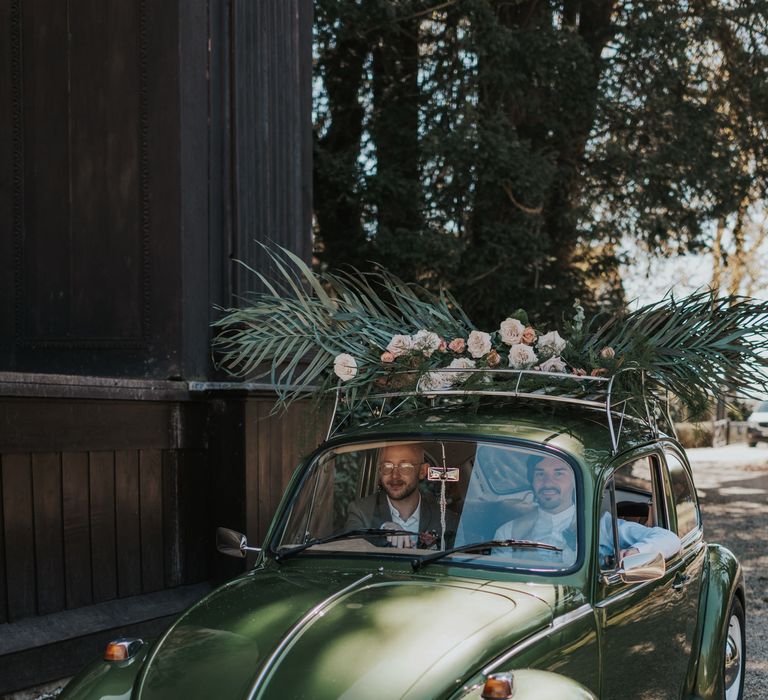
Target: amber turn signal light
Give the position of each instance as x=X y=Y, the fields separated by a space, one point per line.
x=498 y=685
x=122 y=649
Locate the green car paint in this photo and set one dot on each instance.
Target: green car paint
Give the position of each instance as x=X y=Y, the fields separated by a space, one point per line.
x=332 y=626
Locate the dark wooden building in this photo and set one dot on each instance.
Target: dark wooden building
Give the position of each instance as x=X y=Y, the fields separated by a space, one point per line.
x=145 y=145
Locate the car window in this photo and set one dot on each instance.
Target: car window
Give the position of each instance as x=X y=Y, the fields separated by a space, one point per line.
x=683 y=496
x=466 y=491
x=630 y=496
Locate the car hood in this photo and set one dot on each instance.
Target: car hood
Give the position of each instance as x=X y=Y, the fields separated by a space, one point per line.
x=301 y=634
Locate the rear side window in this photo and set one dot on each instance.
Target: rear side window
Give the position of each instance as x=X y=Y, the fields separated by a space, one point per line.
x=683 y=496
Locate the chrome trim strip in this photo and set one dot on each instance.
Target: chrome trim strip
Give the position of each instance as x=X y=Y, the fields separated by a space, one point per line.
x=292 y=634
x=556 y=624
x=624 y=594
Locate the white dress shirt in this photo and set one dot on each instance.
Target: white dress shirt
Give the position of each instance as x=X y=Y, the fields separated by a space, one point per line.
x=411 y=523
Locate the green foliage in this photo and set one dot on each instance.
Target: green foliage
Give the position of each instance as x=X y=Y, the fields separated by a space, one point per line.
x=502 y=150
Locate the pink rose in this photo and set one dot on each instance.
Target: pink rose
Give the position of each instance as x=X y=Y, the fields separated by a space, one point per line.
x=529 y=336
x=599 y=372
x=387 y=357
x=579 y=372
x=493 y=358
x=443 y=345
x=457 y=345
x=607 y=353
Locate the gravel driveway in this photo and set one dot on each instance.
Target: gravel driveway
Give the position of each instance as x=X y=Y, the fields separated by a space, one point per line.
x=733 y=487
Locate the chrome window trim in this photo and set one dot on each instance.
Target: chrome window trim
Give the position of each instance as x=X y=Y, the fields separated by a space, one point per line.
x=685 y=464
x=556 y=624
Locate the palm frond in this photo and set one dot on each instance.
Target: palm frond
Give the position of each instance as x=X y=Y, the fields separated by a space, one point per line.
x=696 y=346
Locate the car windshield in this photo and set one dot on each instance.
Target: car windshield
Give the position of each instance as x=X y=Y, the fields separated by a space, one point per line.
x=761 y=407
x=420 y=498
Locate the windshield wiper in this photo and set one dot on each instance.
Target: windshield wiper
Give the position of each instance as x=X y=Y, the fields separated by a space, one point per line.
x=418 y=563
x=346 y=535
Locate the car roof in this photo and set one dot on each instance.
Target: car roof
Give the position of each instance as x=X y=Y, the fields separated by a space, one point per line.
x=581 y=432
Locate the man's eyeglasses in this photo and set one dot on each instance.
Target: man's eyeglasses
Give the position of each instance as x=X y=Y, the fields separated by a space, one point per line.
x=403 y=467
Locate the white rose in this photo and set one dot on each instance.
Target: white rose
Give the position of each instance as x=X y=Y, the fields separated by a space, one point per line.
x=511 y=331
x=400 y=345
x=553 y=364
x=479 y=343
x=521 y=356
x=345 y=367
x=425 y=341
x=438 y=380
x=462 y=363
x=551 y=343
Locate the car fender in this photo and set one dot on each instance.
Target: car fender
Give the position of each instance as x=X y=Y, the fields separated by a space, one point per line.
x=533 y=684
x=725 y=580
x=106 y=680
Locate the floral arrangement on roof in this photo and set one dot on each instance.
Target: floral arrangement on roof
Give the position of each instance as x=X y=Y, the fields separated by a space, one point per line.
x=371 y=332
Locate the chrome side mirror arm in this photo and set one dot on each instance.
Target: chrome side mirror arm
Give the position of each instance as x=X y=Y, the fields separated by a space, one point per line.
x=233 y=543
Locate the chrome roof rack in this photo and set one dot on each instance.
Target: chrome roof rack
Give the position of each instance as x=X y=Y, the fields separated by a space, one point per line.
x=597 y=393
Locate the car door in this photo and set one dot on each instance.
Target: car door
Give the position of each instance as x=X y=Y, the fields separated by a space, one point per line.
x=642 y=626
x=688 y=569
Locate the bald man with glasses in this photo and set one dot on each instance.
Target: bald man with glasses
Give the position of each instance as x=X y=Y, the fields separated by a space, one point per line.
x=400 y=505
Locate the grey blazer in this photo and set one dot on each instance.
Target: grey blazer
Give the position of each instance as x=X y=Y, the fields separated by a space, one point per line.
x=373 y=510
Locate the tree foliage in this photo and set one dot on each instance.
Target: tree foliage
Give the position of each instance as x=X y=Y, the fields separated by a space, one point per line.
x=503 y=149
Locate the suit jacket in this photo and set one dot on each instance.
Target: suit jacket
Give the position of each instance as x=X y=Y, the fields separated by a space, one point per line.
x=373 y=510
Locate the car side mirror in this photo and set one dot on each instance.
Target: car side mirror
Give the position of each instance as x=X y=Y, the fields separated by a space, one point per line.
x=637 y=568
x=233 y=543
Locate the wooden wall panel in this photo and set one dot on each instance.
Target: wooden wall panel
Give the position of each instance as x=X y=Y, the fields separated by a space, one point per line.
x=107 y=249
x=128 y=529
x=172 y=555
x=151 y=516
x=19 y=538
x=272 y=161
x=42 y=128
x=3 y=569
x=49 y=532
x=76 y=519
x=103 y=544
x=28 y=425
x=197 y=530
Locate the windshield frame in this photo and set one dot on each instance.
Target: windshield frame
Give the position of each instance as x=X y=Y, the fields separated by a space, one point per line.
x=271 y=547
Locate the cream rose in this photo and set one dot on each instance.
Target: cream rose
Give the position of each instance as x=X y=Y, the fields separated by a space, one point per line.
x=387 y=357
x=438 y=380
x=551 y=343
x=607 y=353
x=400 y=345
x=479 y=343
x=521 y=356
x=553 y=364
x=511 y=331
x=462 y=363
x=425 y=342
x=345 y=367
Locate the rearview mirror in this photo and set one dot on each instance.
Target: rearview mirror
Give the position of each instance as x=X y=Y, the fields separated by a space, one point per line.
x=637 y=568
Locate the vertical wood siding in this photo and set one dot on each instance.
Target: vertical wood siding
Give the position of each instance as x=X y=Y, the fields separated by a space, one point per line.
x=85 y=527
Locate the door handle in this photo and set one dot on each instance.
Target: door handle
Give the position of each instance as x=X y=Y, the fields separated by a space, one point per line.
x=680 y=581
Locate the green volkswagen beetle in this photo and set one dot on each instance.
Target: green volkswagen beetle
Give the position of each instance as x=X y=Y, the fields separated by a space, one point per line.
x=493 y=549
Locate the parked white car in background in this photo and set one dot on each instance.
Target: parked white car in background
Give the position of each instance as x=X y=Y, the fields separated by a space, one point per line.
x=757 y=424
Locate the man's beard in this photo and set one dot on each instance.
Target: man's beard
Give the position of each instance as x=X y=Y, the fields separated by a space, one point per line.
x=404 y=494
